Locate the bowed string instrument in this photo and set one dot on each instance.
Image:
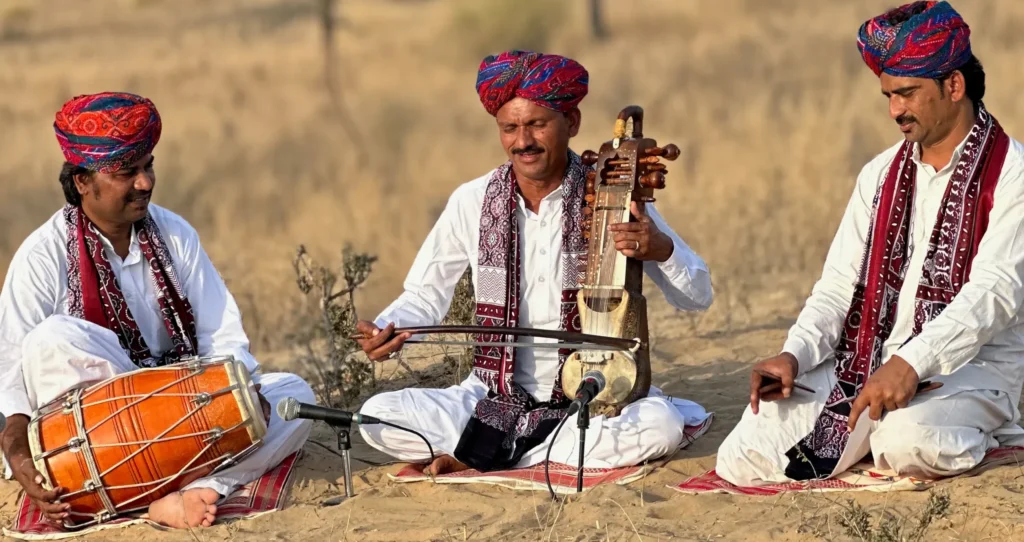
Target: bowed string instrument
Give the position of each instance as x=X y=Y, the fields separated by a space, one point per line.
x=613 y=311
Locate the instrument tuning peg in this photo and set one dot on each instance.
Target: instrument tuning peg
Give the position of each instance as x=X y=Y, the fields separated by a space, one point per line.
x=668 y=152
x=654 y=179
x=589 y=158
x=591 y=175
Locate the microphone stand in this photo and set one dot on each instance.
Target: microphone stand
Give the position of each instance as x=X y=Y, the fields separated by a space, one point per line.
x=582 y=423
x=345 y=445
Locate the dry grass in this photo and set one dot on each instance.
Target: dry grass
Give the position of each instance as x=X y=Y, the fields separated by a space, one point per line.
x=769 y=101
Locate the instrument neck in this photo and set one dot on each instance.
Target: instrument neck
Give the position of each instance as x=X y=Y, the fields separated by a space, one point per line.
x=608 y=269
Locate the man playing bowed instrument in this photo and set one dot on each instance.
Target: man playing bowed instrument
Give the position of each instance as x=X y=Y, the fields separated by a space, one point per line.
x=518 y=228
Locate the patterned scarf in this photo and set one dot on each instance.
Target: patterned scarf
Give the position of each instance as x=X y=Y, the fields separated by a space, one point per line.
x=94 y=294
x=509 y=421
x=962 y=220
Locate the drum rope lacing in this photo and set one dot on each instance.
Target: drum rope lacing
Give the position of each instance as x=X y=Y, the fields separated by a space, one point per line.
x=94 y=484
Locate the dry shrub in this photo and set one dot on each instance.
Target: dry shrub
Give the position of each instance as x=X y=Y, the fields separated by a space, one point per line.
x=462 y=312
x=341 y=375
x=892 y=526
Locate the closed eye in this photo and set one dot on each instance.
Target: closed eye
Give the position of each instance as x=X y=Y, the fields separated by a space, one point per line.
x=905 y=92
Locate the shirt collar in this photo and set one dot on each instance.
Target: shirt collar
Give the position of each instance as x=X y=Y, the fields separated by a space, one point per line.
x=554 y=197
x=133 y=247
x=953 y=160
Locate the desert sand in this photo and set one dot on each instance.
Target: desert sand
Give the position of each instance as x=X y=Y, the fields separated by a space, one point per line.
x=769 y=101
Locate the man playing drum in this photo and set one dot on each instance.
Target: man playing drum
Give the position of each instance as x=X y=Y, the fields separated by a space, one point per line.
x=111 y=284
x=499 y=416
x=924 y=282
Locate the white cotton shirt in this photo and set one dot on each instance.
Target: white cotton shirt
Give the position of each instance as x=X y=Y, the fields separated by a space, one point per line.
x=37 y=287
x=977 y=342
x=453 y=244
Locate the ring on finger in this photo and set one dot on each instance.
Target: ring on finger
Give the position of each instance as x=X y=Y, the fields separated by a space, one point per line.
x=637 y=244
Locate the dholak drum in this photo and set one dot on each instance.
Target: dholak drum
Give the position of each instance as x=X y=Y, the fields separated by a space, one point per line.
x=121 y=444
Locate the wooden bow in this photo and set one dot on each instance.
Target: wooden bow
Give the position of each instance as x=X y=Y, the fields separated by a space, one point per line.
x=567 y=339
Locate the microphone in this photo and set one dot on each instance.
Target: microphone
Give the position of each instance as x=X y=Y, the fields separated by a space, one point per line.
x=290 y=409
x=592 y=384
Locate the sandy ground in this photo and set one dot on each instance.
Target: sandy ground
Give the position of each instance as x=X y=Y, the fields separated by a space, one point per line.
x=769 y=101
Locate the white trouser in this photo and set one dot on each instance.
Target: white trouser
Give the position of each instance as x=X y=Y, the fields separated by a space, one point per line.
x=64 y=353
x=937 y=434
x=647 y=429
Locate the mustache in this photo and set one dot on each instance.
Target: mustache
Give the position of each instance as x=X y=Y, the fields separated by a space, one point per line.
x=905 y=119
x=136 y=196
x=527 y=149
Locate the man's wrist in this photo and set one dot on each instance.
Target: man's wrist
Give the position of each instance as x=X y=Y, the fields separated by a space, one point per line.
x=14 y=443
x=665 y=247
x=793 y=363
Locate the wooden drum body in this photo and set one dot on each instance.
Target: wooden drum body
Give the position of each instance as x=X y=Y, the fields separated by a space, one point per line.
x=121 y=444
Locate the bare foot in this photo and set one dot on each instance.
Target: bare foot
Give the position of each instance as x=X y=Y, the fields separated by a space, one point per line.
x=181 y=510
x=444 y=465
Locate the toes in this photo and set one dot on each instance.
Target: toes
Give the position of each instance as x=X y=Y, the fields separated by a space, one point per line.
x=209 y=496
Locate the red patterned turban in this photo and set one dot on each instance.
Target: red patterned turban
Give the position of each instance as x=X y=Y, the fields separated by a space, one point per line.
x=922 y=39
x=108 y=131
x=551 y=81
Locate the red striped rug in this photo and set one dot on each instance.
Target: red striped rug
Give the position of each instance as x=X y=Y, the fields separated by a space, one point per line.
x=563 y=477
x=259 y=497
x=862 y=477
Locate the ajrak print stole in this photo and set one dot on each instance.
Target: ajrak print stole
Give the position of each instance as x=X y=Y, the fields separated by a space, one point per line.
x=95 y=295
x=509 y=422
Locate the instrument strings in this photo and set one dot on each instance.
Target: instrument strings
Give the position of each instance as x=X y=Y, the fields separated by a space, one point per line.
x=603 y=293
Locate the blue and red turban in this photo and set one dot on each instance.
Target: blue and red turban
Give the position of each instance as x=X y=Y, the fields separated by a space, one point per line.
x=922 y=39
x=551 y=81
x=108 y=131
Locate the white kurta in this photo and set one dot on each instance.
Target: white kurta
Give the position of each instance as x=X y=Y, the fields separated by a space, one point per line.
x=974 y=347
x=451 y=247
x=44 y=352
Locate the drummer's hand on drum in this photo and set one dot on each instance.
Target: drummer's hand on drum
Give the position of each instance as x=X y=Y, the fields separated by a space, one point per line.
x=19 y=457
x=263 y=403
x=381 y=344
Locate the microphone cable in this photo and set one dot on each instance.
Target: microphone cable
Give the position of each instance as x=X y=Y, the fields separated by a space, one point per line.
x=389 y=424
x=359 y=459
x=547 y=457
x=417 y=433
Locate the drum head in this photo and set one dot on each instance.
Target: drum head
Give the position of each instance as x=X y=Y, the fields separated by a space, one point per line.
x=248 y=401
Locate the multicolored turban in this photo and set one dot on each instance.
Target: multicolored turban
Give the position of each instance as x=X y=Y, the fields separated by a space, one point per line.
x=551 y=81
x=922 y=39
x=108 y=131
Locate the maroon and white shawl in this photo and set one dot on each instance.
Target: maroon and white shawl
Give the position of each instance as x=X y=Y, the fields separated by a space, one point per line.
x=962 y=221
x=95 y=295
x=509 y=421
